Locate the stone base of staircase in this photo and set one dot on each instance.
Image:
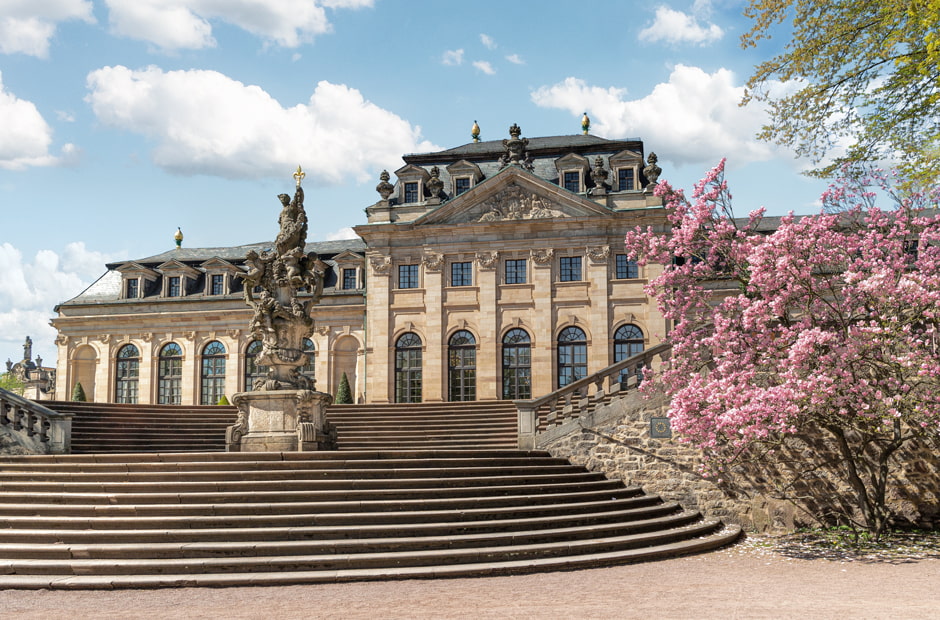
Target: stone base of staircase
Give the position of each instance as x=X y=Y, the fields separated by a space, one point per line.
x=221 y=519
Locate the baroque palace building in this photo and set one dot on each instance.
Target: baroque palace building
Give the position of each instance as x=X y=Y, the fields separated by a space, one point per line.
x=493 y=270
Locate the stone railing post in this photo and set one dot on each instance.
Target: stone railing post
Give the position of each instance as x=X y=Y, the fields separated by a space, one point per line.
x=528 y=423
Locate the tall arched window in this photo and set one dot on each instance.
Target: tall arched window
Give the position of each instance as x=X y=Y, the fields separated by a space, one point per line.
x=628 y=341
x=253 y=370
x=309 y=369
x=128 y=373
x=462 y=366
x=170 y=375
x=213 y=373
x=517 y=365
x=572 y=356
x=408 y=369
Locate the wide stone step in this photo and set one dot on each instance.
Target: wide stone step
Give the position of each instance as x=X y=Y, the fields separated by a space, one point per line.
x=335 y=531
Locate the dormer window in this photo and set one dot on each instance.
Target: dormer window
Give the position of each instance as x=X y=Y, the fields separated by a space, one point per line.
x=572 y=181
x=461 y=185
x=173 y=286
x=411 y=192
x=135 y=280
x=132 y=288
x=626 y=179
x=217 y=284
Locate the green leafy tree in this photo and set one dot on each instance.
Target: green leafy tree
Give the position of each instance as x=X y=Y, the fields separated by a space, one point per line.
x=859 y=74
x=343 y=394
x=78 y=393
x=10 y=383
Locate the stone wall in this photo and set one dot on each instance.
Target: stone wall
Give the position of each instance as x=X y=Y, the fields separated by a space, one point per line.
x=616 y=440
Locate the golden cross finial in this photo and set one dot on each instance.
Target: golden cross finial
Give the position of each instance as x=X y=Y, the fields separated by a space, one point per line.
x=299 y=175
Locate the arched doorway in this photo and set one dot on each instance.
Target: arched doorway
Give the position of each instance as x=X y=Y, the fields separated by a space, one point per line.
x=84 y=366
x=572 y=355
x=462 y=366
x=345 y=357
x=127 y=375
x=408 y=368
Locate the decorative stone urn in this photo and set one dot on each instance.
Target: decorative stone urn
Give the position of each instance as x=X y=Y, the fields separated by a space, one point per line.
x=283 y=411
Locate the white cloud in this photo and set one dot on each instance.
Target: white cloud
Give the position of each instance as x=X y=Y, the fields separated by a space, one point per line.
x=185 y=24
x=30 y=289
x=676 y=27
x=484 y=66
x=27 y=27
x=488 y=42
x=342 y=234
x=694 y=117
x=207 y=123
x=515 y=59
x=453 y=58
x=25 y=136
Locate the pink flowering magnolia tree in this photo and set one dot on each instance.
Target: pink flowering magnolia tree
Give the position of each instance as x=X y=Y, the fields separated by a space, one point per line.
x=825 y=324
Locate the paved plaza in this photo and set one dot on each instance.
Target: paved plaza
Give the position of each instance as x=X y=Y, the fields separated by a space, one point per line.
x=745 y=581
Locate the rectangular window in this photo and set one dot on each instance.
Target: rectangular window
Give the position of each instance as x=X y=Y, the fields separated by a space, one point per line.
x=217 y=284
x=132 y=288
x=626 y=269
x=173 y=288
x=625 y=179
x=572 y=181
x=461 y=274
x=407 y=276
x=570 y=268
x=349 y=279
x=461 y=185
x=411 y=192
x=516 y=271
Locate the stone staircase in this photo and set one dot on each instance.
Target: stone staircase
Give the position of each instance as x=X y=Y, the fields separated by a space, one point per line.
x=108 y=428
x=477 y=424
x=225 y=519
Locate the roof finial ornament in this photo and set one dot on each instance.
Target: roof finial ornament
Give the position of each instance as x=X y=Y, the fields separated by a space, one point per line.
x=384 y=188
x=178 y=237
x=299 y=175
x=585 y=124
x=651 y=172
x=516 y=150
x=475 y=132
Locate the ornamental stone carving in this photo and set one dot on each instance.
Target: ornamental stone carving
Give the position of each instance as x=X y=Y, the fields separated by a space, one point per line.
x=384 y=188
x=542 y=257
x=433 y=261
x=598 y=255
x=517 y=203
x=434 y=185
x=381 y=265
x=516 y=154
x=488 y=260
x=651 y=172
x=599 y=174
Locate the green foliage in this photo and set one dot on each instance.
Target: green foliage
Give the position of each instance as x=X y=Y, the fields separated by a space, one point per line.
x=343 y=394
x=862 y=73
x=223 y=401
x=10 y=383
x=78 y=393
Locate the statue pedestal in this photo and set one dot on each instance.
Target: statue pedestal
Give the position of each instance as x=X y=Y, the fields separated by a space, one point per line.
x=280 y=421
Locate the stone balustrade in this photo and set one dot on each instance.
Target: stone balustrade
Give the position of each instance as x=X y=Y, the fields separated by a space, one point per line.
x=38 y=429
x=578 y=398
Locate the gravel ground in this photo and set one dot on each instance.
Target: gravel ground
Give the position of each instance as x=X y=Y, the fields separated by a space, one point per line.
x=760 y=577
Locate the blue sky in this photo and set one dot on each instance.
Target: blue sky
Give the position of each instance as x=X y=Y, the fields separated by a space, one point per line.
x=123 y=119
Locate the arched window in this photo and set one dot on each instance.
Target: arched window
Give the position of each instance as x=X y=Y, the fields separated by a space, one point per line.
x=213 y=373
x=128 y=373
x=170 y=375
x=628 y=341
x=309 y=369
x=517 y=365
x=462 y=366
x=408 y=369
x=253 y=370
x=572 y=356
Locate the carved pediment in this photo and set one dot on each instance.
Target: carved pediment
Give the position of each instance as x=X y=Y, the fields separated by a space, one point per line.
x=512 y=203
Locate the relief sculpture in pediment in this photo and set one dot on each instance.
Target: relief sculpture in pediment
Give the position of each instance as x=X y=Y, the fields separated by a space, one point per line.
x=516 y=203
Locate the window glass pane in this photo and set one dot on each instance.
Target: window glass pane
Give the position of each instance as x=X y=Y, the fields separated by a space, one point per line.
x=349 y=279
x=132 y=288
x=407 y=276
x=408 y=369
x=173 y=288
x=626 y=269
x=570 y=268
x=461 y=274
x=127 y=375
x=461 y=185
x=625 y=179
x=217 y=284
x=517 y=371
x=213 y=373
x=411 y=192
x=572 y=356
x=572 y=181
x=516 y=271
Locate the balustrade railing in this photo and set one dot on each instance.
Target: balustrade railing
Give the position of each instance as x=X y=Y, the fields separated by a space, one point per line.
x=38 y=429
x=584 y=395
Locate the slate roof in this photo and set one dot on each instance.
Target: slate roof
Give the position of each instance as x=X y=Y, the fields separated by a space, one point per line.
x=237 y=252
x=491 y=149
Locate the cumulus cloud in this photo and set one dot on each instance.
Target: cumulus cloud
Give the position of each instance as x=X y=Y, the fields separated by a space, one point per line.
x=453 y=58
x=28 y=27
x=515 y=59
x=185 y=24
x=204 y=122
x=25 y=136
x=30 y=289
x=484 y=66
x=676 y=27
x=694 y=117
x=342 y=234
x=487 y=41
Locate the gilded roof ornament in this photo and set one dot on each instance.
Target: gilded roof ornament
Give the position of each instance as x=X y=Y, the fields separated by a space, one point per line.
x=178 y=237
x=475 y=132
x=585 y=124
x=299 y=175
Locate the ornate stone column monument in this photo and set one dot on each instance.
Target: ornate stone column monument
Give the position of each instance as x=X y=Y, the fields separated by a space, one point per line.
x=283 y=412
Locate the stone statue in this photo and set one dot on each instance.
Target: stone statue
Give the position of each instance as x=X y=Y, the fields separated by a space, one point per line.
x=516 y=153
x=28 y=349
x=651 y=172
